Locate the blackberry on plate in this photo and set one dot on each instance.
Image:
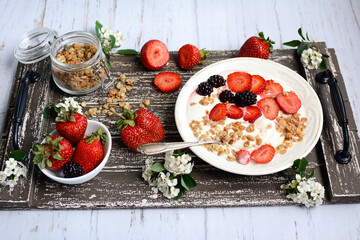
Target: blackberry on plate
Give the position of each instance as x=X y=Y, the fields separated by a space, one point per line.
x=245 y=98
x=216 y=81
x=226 y=96
x=72 y=169
x=204 y=89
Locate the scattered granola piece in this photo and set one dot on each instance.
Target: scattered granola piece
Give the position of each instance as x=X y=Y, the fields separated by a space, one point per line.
x=106 y=106
x=109 y=100
x=112 y=92
x=141 y=105
x=119 y=85
x=121 y=104
x=83 y=104
x=130 y=81
x=122 y=77
x=110 y=113
x=128 y=88
x=147 y=102
x=92 y=111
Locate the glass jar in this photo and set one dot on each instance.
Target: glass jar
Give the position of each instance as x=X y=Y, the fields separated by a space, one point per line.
x=77 y=62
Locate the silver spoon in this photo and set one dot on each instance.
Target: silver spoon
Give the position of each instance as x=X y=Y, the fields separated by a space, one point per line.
x=155 y=148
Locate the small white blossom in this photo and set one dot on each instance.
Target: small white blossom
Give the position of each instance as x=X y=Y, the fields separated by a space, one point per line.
x=178 y=165
x=69 y=103
x=11 y=183
x=298 y=177
x=11 y=163
x=311 y=58
x=2 y=177
x=8 y=172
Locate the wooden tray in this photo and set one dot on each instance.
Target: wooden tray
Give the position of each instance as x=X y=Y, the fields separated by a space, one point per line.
x=120 y=185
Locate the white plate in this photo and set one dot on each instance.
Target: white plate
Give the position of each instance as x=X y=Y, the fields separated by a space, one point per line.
x=58 y=176
x=289 y=79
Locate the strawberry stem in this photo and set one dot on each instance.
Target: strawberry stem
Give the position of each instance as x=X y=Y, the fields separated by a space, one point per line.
x=127 y=119
x=98 y=134
x=268 y=41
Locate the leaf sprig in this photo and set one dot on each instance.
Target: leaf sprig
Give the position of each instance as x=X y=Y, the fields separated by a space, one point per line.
x=305 y=43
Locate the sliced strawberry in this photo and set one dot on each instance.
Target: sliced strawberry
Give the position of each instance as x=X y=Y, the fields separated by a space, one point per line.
x=189 y=56
x=289 y=102
x=269 y=107
x=167 y=81
x=234 y=112
x=263 y=154
x=154 y=55
x=271 y=89
x=252 y=113
x=239 y=81
x=243 y=156
x=257 y=84
x=218 y=112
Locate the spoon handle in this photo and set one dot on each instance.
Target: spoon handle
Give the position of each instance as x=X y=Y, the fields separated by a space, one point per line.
x=155 y=148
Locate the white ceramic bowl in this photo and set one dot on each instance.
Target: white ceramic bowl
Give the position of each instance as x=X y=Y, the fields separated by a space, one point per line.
x=269 y=70
x=58 y=176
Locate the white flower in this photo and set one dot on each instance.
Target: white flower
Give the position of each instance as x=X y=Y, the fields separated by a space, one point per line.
x=166 y=185
x=311 y=58
x=11 y=183
x=17 y=171
x=309 y=203
x=11 y=163
x=8 y=172
x=103 y=30
x=178 y=165
x=303 y=187
x=2 y=177
x=147 y=172
x=298 y=177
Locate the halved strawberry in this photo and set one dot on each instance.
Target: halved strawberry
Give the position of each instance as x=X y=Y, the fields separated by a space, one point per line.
x=269 y=107
x=271 y=89
x=257 y=84
x=218 y=112
x=234 y=112
x=289 y=102
x=263 y=154
x=243 y=157
x=189 y=56
x=154 y=55
x=251 y=113
x=239 y=81
x=167 y=81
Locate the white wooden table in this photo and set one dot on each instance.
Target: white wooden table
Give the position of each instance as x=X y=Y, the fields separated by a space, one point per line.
x=211 y=25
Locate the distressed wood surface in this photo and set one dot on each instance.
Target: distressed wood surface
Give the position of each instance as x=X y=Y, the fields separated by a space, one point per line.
x=120 y=185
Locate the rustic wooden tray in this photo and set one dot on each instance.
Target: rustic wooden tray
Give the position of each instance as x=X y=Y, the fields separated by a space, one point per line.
x=120 y=185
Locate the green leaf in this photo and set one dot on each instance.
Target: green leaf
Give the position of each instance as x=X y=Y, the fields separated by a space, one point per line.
x=325 y=56
x=113 y=41
x=37 y=159
x=296 y=164
x=49 y=163
x=127 y=52
x=312 y=173
x=43 y=164
x=17 y=155
x=307 y=37
x=108 y=64
x=301 y=49
x=294 y=43
x=179 y=195
x=57 y=109
x=189 y=180
x=183 y=183
x=46 y=112
x=303 y=164
x=300 y=33
x=98 y=25
x=56 y=156
x=157 y=167
x=322 y=65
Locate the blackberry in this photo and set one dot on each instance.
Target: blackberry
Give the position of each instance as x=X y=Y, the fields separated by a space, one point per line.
x=226 y=96
x=204 y=89
x=245 y=98
x=216 y=81
x=72 y=169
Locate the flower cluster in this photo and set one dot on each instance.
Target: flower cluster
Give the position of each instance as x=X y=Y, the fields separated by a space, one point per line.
x=12 y=172
x=311 y=58
x=307 y=49
x=305 y=191
x=170 y=177
x=70 y=105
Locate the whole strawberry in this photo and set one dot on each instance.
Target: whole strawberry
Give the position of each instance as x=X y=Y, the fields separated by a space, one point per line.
x=89 y=152
x=257 y=47
x=70 y=123
x=189 y=56
x=140 y=127
x=54 y=153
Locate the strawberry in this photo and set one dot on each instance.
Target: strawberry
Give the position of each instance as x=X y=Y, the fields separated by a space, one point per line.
x=269 y=107
x=289 y=102
x=71 y=125
x=239 y=81
x=167 y=81
x=263 y=154
x=154 y=55
x=271 y=89
x=218 y=112
x=257 y=47
x=139 y=127
x=89 y=151
x=243 y=156
x=189 y=56
x=234 y=112
x=54 y=153
x=251 y=113
x=257 y=84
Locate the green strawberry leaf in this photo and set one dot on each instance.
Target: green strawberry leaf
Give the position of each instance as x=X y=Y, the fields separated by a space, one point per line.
x=17 y=155
x=56 y=156
x=157 y=167
x=43 y=163
x=294 y=43
x=49 y=163
x=127 y=52
x=37 y=159
x=301 y=49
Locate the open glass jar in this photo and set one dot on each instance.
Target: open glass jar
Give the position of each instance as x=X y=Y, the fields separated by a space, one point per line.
x=77 y=61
